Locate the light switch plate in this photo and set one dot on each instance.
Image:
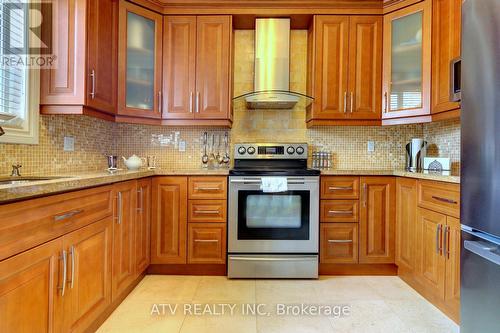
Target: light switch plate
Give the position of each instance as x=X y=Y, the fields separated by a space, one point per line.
x=371 y=146
x=182 y=145
x=69 y=143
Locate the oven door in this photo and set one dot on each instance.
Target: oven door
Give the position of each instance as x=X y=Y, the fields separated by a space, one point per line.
x=283 y=222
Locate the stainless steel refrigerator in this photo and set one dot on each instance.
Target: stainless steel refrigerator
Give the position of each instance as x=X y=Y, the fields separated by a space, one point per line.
x=480 y=252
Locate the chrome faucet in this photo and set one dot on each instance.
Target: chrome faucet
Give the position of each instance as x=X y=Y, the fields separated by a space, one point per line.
x=15 y=170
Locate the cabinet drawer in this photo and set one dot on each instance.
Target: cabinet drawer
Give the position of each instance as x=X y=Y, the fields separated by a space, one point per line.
x=207 y=188
x=26 y=224
x=207 y=243
x=207 y=211
x=339 y=211
x=339 y=243
x=340 y=187
x=440 y=197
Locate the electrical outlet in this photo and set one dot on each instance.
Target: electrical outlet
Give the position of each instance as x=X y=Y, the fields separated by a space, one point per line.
x=371 y=146
x=69 y=143
x=182 y=146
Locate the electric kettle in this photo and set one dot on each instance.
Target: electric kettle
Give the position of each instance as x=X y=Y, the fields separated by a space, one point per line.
x=416 y=150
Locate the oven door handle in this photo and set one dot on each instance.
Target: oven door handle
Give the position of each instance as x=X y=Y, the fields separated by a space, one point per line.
x=267 y=258
x=290 y=181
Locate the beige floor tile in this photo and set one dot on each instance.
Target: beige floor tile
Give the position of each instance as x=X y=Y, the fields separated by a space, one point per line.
x=287 y=291
x=289 y=324
x=222 y=289
x=161 y=288
x=345 y=289
x=421 y=316
x=369 y=316
x=392 y=288
x=133 y=316
x=223 y=324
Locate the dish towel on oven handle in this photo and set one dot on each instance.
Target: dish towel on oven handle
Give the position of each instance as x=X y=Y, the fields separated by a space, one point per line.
x=274 y=184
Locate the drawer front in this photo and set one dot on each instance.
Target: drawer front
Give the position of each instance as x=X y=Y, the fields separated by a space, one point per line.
x=440 y=197
x=340 y=187
x=339 y=243
x=339 y=211
x=207 y=188
x=207 y=243
x=29 y=223
x=207 y=211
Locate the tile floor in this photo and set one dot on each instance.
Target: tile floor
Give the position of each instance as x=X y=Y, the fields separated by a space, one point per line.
x=371 y=304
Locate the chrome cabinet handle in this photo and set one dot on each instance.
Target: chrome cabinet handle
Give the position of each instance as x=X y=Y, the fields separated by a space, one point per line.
x=65 y=216
x=197 y=102
x=365 y=190
x=340 y=188
x=206 y=240
x=341 y=212
x=386 y=97
x=207 y=212
x=352 y=100
x=446 y=250
x=160 y=102
x=191 y=102
x=72 y=253
x=92 y=91
x=207 y=188
x=345 y=101
x=340 y=241
x=119 y=208
x=65 y=267
x=141 y=200
x=450 y=201
x=438 y=238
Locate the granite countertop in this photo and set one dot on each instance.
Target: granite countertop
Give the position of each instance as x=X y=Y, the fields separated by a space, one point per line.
x=399 y=173
x=81 y=180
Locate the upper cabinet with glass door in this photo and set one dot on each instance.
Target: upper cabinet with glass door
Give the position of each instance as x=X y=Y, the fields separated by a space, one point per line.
x=139 y=62
x=407 y=64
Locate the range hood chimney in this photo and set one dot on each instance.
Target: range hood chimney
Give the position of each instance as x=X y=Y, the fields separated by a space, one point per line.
x=272 y=67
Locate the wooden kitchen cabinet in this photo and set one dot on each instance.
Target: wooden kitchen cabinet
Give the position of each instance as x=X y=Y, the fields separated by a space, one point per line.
x=377 y=219
x=346 y=68
x=30 y=298
x=88 y=285
x=329 y=36
x=339 y=243
x=339 y=187
x=197 y=67
x=143 y=226
x=139 y=61
x=407 y=64
x=446 y=29
x=84 y=76
x=339 y=211
x=207 y=243
x=452 y=256
x=406 y=223
x=124 y=262
x=169 y=220
x=207 y=187
x=431 y=263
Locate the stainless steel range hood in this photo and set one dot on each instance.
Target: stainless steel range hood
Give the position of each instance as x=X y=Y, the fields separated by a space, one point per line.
x=272 y=68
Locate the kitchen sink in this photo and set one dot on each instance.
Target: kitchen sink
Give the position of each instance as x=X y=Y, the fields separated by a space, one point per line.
x=24 y=180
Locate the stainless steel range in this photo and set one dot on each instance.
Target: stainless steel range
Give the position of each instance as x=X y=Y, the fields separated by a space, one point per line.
x=273 y=213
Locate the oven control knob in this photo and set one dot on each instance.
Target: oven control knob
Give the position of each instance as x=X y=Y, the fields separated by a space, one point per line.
x=251 y=150
x=242 y=150
x=290 y=150
x=300 y=150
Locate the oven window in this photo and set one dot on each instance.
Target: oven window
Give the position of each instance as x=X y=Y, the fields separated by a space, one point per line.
x=273 y=215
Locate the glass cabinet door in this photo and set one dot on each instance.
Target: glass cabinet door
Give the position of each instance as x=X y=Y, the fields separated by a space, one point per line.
x=407 y=62
x=139 y=62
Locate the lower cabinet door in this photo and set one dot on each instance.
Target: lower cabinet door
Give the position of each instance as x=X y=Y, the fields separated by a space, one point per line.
x=89 y=274
x=339 y=243
x=142 y=225
x=431 y=262
x=207 y=243
x=406 y=223
x=124 y=265
x=30 y=298
x=452 y=255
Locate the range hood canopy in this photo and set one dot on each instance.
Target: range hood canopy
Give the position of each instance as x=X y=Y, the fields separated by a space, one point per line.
x=272 y=69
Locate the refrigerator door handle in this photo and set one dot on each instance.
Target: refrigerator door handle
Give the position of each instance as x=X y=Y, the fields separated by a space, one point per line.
x=483 y=250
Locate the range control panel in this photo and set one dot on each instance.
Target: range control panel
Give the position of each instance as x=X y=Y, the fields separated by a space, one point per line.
x=270 y=151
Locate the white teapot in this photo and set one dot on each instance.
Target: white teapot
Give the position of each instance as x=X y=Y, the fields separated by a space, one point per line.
x=134 y=162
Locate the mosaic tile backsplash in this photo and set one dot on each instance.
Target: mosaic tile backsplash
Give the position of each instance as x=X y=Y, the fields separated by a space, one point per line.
x=95 y=138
